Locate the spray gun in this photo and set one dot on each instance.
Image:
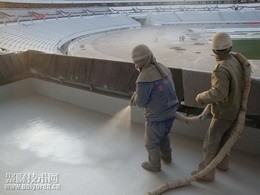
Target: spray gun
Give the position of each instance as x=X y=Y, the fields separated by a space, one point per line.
x=132 y=100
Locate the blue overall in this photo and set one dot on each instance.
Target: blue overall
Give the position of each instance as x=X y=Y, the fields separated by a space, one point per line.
x=160 y=103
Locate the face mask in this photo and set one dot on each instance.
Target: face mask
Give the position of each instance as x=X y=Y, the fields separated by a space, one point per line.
x=137 y=68
x=222 y=52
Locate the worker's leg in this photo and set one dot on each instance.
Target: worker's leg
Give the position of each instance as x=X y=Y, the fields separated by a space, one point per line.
x=155 y=132
x=211 y=144
x=224 y=164
x=165 y=145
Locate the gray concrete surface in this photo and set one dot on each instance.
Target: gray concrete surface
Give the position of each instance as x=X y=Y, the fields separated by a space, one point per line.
x=88 y=152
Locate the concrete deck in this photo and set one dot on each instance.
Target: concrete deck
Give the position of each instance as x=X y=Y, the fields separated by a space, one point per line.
x=93 y=156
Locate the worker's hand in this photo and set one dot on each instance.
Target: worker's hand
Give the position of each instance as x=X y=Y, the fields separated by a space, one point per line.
x=198 y=99
x=132 y=100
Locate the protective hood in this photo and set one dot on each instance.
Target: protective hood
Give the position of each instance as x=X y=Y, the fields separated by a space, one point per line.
x=153 y=72
x=150 y=69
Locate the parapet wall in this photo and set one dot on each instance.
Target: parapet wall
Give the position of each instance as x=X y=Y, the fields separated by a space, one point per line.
x=106 y=86
x=112 y=78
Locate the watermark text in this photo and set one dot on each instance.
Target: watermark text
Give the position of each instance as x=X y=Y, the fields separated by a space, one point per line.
x=32 y=181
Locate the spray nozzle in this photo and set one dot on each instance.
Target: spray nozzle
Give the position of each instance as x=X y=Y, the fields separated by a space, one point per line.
x=132 y=100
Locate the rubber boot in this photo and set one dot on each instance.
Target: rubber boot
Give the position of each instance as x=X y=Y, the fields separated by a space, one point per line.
x=166 y=157
x=153 y=166
x=147 y=166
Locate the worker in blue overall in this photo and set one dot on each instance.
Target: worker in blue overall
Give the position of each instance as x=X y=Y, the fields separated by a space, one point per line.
x=155 y=93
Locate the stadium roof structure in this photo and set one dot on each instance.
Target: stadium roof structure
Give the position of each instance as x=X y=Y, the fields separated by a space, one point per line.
x=121 y=1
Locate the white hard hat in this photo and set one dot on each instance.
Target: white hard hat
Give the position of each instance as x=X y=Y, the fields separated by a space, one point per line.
x=221 y=41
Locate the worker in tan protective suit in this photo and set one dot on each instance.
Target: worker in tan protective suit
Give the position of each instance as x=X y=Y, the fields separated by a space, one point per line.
x=155 y=93
x=227 y=83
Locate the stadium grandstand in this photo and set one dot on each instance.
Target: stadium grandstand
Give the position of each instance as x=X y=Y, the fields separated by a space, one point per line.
x=124 y=2
x=65 y=73
x=41 y=29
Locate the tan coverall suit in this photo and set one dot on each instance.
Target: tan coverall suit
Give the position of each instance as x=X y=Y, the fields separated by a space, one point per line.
x=225 y=98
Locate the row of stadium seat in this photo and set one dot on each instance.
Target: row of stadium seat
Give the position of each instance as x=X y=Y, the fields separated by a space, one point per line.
x=50 y=35
x=204 y=17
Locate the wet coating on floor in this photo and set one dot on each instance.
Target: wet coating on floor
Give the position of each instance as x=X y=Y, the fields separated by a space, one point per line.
x=92 y=153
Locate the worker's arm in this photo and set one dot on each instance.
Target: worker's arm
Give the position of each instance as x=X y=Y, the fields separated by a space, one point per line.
x=220 y=83
x=142 y=94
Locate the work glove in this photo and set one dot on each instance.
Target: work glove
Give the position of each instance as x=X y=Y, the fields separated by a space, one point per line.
x=198 y=99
